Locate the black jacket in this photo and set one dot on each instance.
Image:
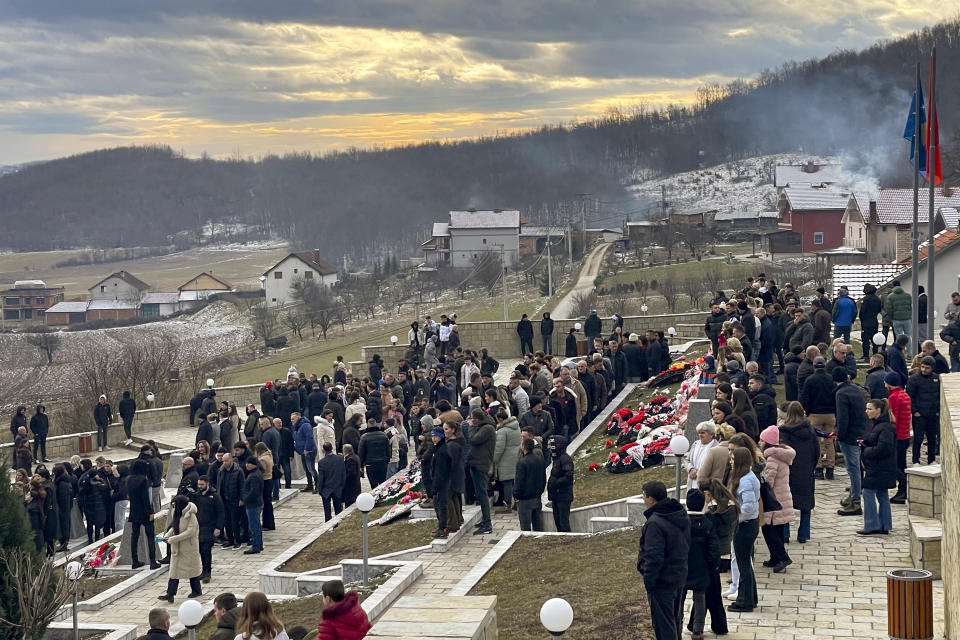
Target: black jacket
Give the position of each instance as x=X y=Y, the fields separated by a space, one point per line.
x=209 y=405
x=817 y=393
x=205 y=432
x=251 y=424
x=138 y=489
x=791 y=366
x=374 y=447
x=546 y=327
x=268 y=402
x=592 y=326
x=879 y=456
x=765 y=406
x=188 y=483
x=874 y=382
x=560 y=484
x=636 y=360
x=664 y=546
x=252 y=495
x=657 y=359
x=286 y=444
x=127 y=408
x=351 y=437
x=897 y=362
x=849 y=363
x=870 y=308
x=801 y=336
x=315 y=403
x=620 y=367
x=570 y=348
x=525 y=329
x=489 y=365
x=455 y=449
x=530 y=481
x=156 y=634
x=704 y=555
x=714 y=325
x=332 y=475
x=802 y=439
x=924 y=392
x=102 y=414
x=851 y=416
x=209 y=513
x=443 y=468
x=230 y=484
x=286 y=405
x=40 y=424
x=483 y=440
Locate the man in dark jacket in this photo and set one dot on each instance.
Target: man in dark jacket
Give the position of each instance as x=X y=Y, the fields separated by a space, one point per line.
x=870 y=309
x=802 y=333
x=940 y=364
x=287 y=404
x=188 y=481
x=159 y=620
x=209 y=404
x=268 y=400
x=560 y=484
x=657 y=358
x=488 y=364
x=713 y=327
x=620 y=367
x=791 y=367
x=127 y=409
x=525 y=331
x=195 y=403
x=316 y=401
x=664 y=550
x=339 y=415
x=227 y=613
x=442 y=469
x=875 y=377
x=483 y=437
x=896 y=357
x=851 y=422
x=210 y=516
x=842 y=357
x=374 y=452
x=592 y=326
x=764 y=400
x=252 y=502
x=331 y=478
x=529 y=486
x=951 y=335
x=230 y=487
x=102 y=416
x=141 y=513
x=923 y=388
x=287 y=449
x=205 y=430
x=768 y=340
x=818 y=399
x=546 y=333
x=822 y=321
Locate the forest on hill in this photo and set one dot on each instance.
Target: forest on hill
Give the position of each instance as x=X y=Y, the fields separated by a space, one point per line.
x=360 y=202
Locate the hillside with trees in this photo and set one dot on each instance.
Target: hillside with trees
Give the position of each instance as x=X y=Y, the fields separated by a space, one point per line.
x=362 y=202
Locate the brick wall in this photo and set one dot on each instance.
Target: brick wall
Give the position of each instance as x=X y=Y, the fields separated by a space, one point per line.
x=950 y=469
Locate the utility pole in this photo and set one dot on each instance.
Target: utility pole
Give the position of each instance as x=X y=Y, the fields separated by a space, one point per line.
x=932 y=181
x=915 y=230
x=503 y=266
x=549 y=268
x=583 y=221
x=570 y=245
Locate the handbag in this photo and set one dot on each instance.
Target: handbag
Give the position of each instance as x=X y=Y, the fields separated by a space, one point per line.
x=768 y=498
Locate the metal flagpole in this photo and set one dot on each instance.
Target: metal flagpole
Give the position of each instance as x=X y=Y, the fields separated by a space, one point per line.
x=932 y=173
x=914 y=281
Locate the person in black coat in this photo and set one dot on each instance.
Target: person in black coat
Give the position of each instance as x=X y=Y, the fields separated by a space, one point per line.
x=205 y=431
x=40 y=426
x=764 y=400
x=525 y=331
x=210 y=518
x=92 y=488
x=880 y=468
x=252 y=502
x=102 y=417
x=209 y=404
x=287 y=450
x=560 y=484
x=529 y=485
x=230 y=479
x=375 y=454
x=19 y=419
x=286 y=404
x=141 y=512
x=331 y=479
x=458 y=450
x=65 y=485
x=546 y=333
x=663 y=557
x=923 y=388
x=620 y=366
x=268 y=400
x=703 y=561
x=797 y=433
x=875 y=375
x=564 y=405
x=870 y=308
x=316 y=401
x=896 y=358
x=195 y=402
x=570 y=347
x=353 y=472
x=443 y=466
x=127 y=410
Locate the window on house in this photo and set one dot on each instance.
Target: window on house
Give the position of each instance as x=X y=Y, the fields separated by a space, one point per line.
x=28 y=314
x=818 y=237
x=26 y=301
x=861 y=234
x=11 y=301
x=308 y=275
x=11 y=314
x=40 y=300
x=273 y=299
x=295 y=270
x=278 y=275
x=484 y=241
x=103 y=288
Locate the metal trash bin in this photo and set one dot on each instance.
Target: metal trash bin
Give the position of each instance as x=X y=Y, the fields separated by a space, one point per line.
x=910 y=604
x=583 y=347
x=85 y=442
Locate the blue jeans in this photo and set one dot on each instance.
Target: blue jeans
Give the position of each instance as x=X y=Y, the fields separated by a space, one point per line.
x=842 y=331
x=480 y=480
x=803 y=532
x=392 y=468
x=256 y=531
x=872 y=519
x=901 y=327
x=276 y=488
x=309 y=462
x=851 y=460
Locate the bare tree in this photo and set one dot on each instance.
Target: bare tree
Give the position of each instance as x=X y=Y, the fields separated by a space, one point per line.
x=263 y=321
x=41 y=590
x=46 y=339
x=323 y=312
x=665 y=235
x=694 y=288
x=713 y=279
x=696 y=238
x=296 y=320
x=582 y=302
x=670 y=290
x=620 y=301
x=487 y=270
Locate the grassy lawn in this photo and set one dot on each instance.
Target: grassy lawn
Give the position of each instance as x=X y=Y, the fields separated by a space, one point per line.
x=602 y=585
x=679 y=271
x=492 y=310
x=592 y=487
x=345 y=541
x=90 y=586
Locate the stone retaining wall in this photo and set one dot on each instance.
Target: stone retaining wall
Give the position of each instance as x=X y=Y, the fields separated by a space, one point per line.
x=950 y=470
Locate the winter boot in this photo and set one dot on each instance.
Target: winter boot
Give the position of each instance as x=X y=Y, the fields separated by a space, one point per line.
x=852 y=510
x=900 y=497
x=829 y=474
x=845 y=502
x=818 y=473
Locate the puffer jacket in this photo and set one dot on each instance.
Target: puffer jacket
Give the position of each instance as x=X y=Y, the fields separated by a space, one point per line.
x=844 y=311
x=704 y=555
x=344 y=620
x=898 y=305
x=924 y=392
x=483 y=442
x=777 y=474
x=506 y=450
x=900 y=406
x=879 y=456
x=803 y=440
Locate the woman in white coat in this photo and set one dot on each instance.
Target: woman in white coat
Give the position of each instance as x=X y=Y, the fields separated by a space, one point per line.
x=183 y=540
x=706 y=434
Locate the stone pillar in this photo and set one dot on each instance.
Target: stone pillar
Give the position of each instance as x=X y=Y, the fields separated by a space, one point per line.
x=699 y=411
x=707 y=391
x=143 y=554
x=175 y=469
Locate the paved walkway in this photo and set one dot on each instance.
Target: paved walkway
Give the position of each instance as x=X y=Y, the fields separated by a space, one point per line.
x=584 y=284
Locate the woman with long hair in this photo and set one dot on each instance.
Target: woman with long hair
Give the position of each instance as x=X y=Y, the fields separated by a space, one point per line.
x=879 y=459
x=745 y=485
x=797 y=433
x=257 y=620
x=183 y=542
x=265 y=456
x=743 y=407
x=776 y=472
x=35 y=497
x=722 y=413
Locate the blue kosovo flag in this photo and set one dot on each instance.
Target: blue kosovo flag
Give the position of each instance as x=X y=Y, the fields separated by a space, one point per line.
x=908 y=131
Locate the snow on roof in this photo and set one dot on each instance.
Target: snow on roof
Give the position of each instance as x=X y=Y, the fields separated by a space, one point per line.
x=113 y=304
x=854 y=276
x=770 y=214
x=694 y=212
x=786 y=175
x=311 y=259
x=162 y=298
x=441 y=230
x=641 y=223
x=485 y=219
x=129 y=278
x=951 y=216
x=68 y=307
x=210 y=275
x=895 y=206
x=737 y=215
x=541 y=232
x=603 y=231
x=813 y=199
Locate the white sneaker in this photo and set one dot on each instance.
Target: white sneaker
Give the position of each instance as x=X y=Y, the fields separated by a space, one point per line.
x=732 y=596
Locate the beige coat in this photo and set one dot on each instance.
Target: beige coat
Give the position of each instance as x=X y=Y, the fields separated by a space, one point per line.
x=185 y=546
x=714 y=465
x=266 y=463
x=777 y=474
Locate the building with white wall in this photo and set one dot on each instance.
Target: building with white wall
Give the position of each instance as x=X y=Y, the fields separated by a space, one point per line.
x=119 y=286
x=306 y=265
x=469 y=235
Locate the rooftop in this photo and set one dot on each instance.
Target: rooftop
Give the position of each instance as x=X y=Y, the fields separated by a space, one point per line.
x=441 y=230
x=895 y=206
x=786 y=175
x=738 y=215
x=541 y=232
x=226 y=285
x=127 y=277
x=816 y=199
x=485 y=219
x=162 y=298
x=68 y=307
x=941 y=241
x=111 y=304
x=312 y=259
x=854 y=276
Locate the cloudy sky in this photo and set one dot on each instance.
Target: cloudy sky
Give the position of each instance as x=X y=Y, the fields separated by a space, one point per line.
x=250 y=77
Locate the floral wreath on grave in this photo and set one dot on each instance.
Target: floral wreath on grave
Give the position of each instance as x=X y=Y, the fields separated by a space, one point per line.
x=103 y=556
x=401 y=485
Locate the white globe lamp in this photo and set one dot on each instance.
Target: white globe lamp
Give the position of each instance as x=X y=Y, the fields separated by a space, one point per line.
x=210 y=382
x=671 y=332
x=879 y=339
x=578 y=326
x=644 y=308
x=190 y=613
x=74 y=570
x=151 y=397
x=556 y=615
x=393 y=340
x=366 y=502
x=679 y=445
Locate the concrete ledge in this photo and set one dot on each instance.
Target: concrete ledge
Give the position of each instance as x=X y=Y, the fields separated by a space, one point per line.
x=64 y=631
x=462 y=618
x=607 y=523
x=925 y=547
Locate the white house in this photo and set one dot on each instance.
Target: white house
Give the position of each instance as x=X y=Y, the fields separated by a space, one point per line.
x=201 y=287
x=158 y=304
x=472 y=234
x=119 y=286
x=307 y=265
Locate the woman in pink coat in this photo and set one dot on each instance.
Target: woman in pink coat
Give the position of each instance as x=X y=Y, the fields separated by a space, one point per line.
x=776 y=473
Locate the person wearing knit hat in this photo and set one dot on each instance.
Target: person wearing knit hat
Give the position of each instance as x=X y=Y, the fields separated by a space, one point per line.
x=776 y=472
x=437 y=433
x=819 y=362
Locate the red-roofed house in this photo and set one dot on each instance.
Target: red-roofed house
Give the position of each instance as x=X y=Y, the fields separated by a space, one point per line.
x=307 y=265
x=817 y=214
x=891 y=220
x=947 y=260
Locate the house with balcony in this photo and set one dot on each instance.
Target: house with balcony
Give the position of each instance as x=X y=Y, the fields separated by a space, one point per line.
x=28 y=300
x=469 y=235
